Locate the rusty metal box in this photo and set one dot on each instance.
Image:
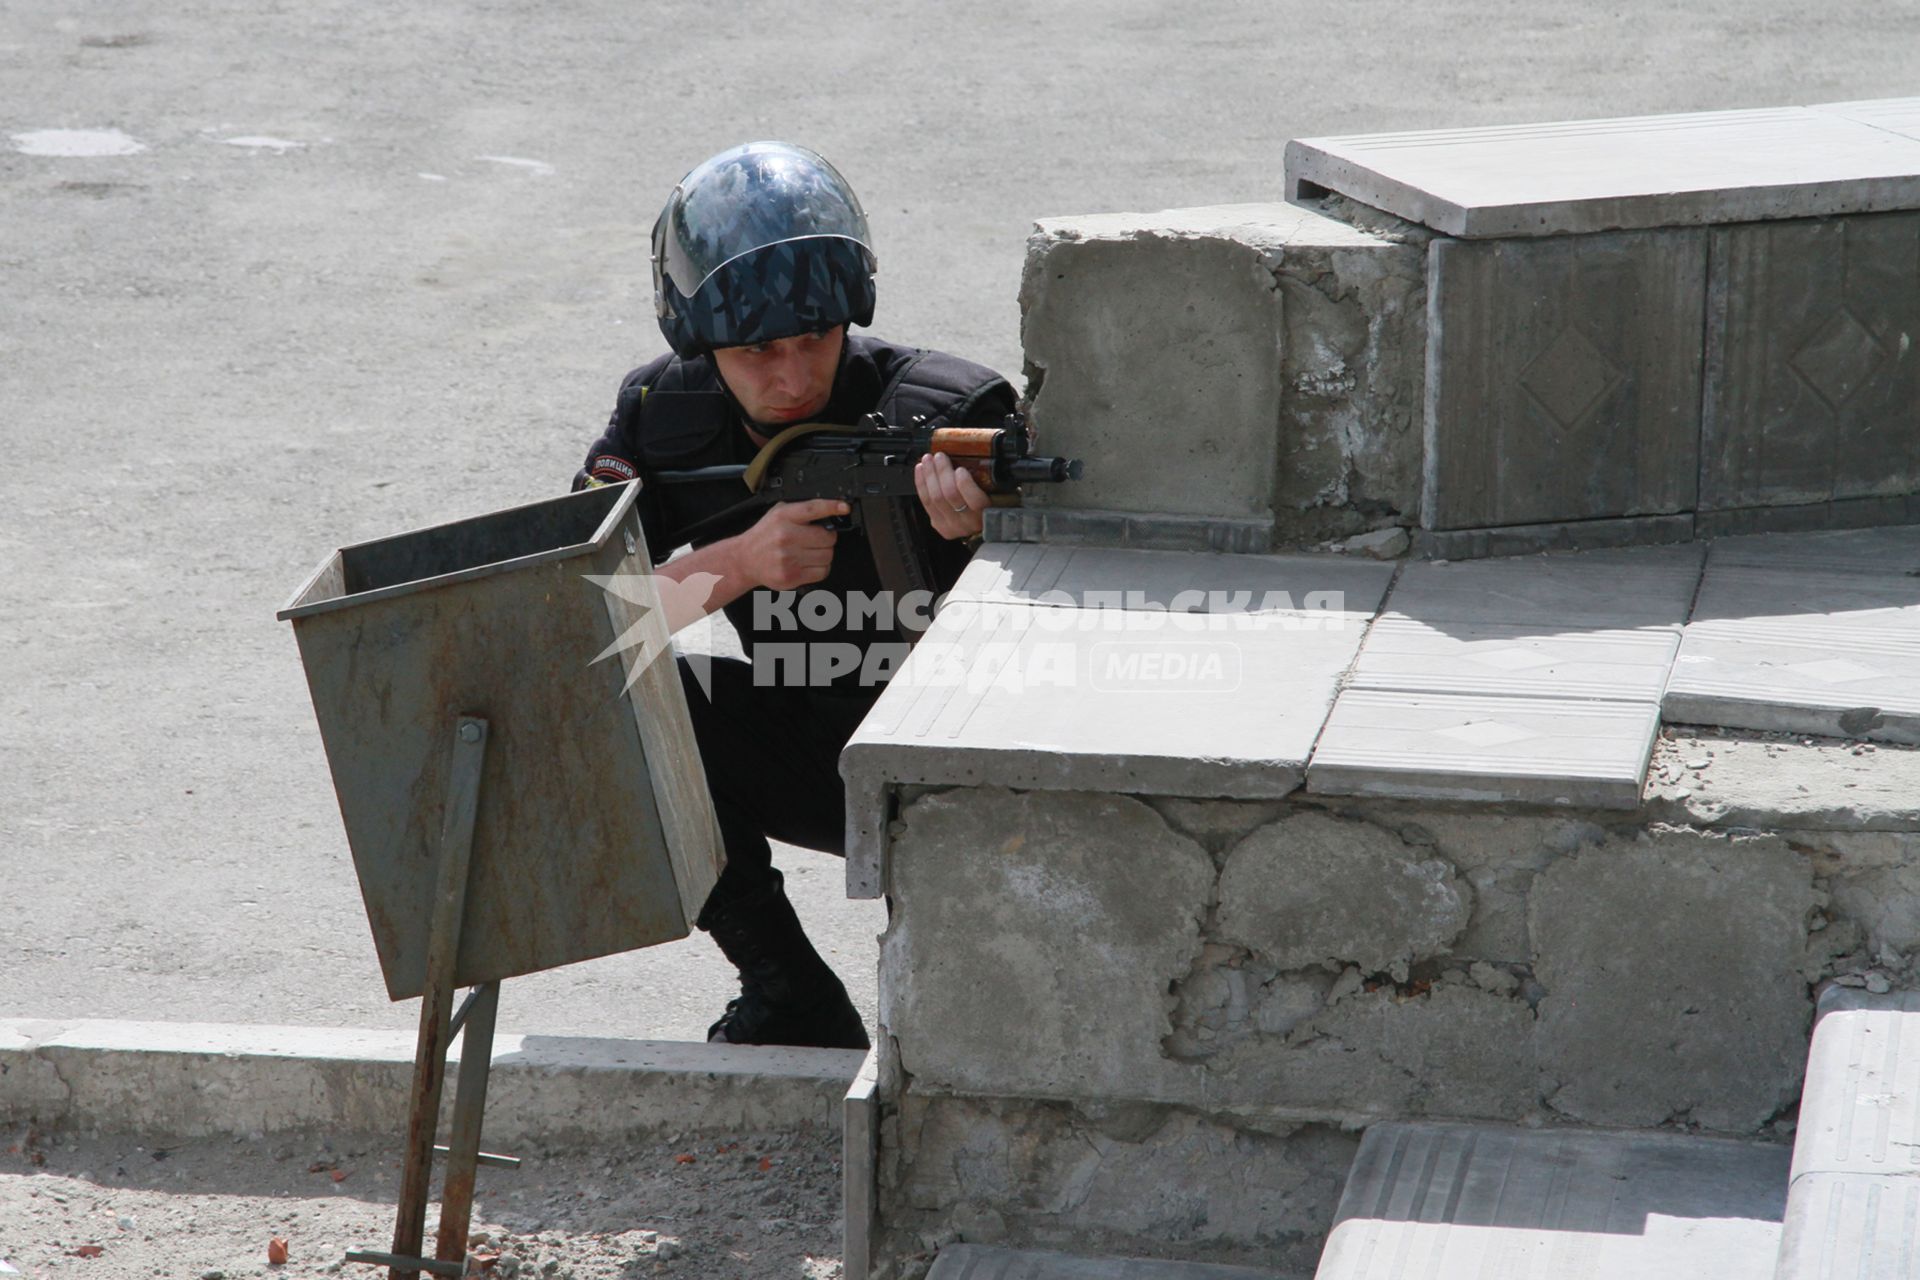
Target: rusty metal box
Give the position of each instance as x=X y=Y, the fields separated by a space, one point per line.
x=595 y=832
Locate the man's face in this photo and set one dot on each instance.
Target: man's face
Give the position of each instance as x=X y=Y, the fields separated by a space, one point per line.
x=785 y=381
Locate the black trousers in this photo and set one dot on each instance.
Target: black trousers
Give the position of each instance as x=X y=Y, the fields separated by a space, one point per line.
x=772 y=759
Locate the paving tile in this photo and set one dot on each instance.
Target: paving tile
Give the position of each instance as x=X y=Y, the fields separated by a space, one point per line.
x=1809 y=389
x=1187 y=582
x=1801 y=650
x=1505 y=659
x=1563 y=378
x=1850 y=1225
x=1556 y=751
x=986 y=1262
x=1460 y=1202
x=1608 y=589
x=1888 y=552
x=1142 y=702
x=1580 y=176
x=1895 y=115
x=1860 y=1109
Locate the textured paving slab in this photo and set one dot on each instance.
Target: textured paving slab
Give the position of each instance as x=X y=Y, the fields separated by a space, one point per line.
x=1609 y=589
x=1860 y=1111
x=983 y=1262
x=1854 y=1205
x=1895 y=115
x=1858 y=1227
x=1563 y=378
x=1810 y=387
x=1507 y=659
x=1461 y=1202
x=1801 y=650
x=1640 y=171
x=1889 y=552
x=1556 y=751
x=1147 y=702
x=1186 y=582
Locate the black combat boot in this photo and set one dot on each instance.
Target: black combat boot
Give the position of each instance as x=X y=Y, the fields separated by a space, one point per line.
x=788 y=995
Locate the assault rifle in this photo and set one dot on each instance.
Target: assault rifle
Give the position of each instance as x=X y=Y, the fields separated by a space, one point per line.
x=869 y=468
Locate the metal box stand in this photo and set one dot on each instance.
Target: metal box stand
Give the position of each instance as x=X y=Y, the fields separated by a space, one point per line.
x=517 y=775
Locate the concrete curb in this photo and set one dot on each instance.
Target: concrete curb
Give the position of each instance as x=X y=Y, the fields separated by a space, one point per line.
x=197 y=1079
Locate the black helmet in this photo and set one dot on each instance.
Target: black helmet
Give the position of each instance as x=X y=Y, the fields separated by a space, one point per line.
x=762 y=242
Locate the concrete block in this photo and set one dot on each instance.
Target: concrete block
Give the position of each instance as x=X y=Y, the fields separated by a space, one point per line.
x=1895 y=115
x=984 y=1262
x=1142 y=702
x=1860 y=1110
x=1524 y=750
x=1455 y=1051
x=1084 y=907
x=1459 y=1202
x=1846 y=513
x=1312 y=890
x=1566 y=535
x=1086 y=577
x=1524 y=659
x=1802 y=650
x=1249 y=536
x=1883 y=552
x=860 y=1174
x=195 y=1079
x=1103 y=1180
x=1811 y=785
x=1248 y=361
x=1854 y=1225
x=1499 y=854
x=1577 y=176
x=1810 y=375
x=1563 y=378
x=1585 y=590
x=1673 y=985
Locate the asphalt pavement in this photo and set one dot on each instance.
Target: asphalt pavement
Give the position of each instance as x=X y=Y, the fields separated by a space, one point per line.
x=331 y=271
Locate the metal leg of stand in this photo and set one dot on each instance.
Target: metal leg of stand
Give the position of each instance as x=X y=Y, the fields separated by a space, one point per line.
x=436 y=1003
x=463 y=1144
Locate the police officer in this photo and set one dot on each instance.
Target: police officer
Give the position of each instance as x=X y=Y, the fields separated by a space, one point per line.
x=762 y=259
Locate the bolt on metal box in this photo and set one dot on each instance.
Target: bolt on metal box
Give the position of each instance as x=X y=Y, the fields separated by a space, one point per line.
x=595 y=833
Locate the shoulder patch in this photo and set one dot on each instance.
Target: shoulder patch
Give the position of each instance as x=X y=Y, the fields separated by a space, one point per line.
x=608 y=468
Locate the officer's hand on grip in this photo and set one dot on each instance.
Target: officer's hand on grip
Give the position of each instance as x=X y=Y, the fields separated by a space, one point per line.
x=786 y=549
x=953 y=499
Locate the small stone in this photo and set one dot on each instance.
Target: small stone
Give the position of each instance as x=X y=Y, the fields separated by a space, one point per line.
x=667 y=1250
x=213 y=1273
x=1488 y=978
x=649 y=1237
x=1877 y=984
x=1699 y=762
x=1850 y=980
x=125 y=1221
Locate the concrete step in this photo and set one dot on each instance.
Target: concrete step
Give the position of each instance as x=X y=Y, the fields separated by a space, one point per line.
x=981 y=1262
x=1853 y=1208
x=1460 y=1201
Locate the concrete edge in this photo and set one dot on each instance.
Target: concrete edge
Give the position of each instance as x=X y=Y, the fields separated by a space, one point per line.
x=203 y=1079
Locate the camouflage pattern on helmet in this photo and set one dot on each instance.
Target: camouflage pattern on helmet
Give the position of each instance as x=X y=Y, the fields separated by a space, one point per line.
x=762 y=242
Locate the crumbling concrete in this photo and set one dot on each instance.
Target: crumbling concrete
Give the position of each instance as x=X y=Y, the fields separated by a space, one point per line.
x=1097 y=995
x=1241 y=361
x=1674 y=988
x=1096 y=1180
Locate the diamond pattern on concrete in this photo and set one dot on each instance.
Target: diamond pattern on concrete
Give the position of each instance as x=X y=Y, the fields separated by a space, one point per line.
x=1563 y=378
x=1800 y=650
x=1389 y=743
x=1511 y=658
x=1809 y=392
x=1463 y=1202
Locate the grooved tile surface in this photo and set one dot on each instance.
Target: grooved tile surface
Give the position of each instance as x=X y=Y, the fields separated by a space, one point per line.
x=1184 y=582
x=1810 y=381
x=1887 y=552
x=1577 y=176
x=1609 y=589
x=984 y=1262
x=1563 y=378
x=1504 y=659
x=1801 y=650
x=1536 y=750
x=1462 y=1202
x=1860 y=1112
x=1851 y=1227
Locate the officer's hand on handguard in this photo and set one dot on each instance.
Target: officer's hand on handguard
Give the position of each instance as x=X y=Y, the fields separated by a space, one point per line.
x=785 y=549
x=953 y=499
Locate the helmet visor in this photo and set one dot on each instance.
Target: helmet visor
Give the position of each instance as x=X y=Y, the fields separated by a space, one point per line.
x=746 y=199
